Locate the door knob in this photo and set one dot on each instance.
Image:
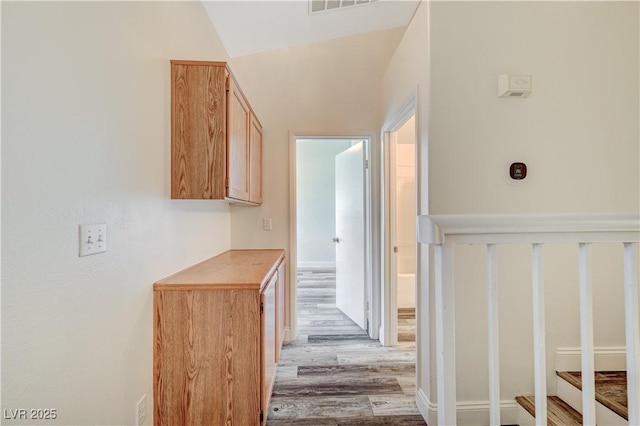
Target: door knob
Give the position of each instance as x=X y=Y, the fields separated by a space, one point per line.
x=336 y=239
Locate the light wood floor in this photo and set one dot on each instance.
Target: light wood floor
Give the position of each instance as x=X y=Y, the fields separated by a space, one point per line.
x=333 y=374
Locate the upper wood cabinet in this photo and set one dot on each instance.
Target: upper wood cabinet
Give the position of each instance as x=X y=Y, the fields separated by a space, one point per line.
x=216 y=139
x=255 y=160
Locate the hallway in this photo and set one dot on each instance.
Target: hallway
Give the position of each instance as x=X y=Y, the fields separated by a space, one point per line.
x=334 y=374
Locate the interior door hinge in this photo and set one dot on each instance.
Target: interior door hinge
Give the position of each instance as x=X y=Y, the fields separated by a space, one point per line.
x=395 y=249
x=228 y=83
x=366 y=164
x=261 y=417
x=261 y=308
x=226 y=183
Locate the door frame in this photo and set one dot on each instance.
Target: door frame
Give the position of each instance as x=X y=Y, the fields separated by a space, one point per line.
x=389 y=306
x=373 y=315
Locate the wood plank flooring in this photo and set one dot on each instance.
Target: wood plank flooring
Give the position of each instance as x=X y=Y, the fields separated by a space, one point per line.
x=334 y=374
x=406 y=325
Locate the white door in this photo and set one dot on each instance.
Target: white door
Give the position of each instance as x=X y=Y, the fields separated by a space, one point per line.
x=350 y=233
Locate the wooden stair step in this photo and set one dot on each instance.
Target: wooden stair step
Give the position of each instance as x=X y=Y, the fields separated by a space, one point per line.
x=611 y=389
x=559 y=413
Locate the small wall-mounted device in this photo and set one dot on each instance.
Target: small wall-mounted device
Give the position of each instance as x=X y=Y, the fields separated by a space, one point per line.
x=514 y=86
x=518 y=171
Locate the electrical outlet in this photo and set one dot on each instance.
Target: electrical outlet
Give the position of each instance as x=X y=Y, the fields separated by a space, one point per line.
x=141 y=410
x=266 y=224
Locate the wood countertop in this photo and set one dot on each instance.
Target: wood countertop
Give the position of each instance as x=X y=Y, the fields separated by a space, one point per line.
x=233 y=269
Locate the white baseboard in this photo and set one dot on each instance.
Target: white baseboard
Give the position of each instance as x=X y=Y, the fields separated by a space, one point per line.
x=606 y=358
x=468 y=412
x=428 y=410
x=477 y=412
x=317 y=265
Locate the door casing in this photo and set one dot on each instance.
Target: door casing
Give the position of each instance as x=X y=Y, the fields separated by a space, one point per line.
x=370 y=204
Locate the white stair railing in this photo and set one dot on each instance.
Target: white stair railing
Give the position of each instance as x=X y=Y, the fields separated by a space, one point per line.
x=445 y=231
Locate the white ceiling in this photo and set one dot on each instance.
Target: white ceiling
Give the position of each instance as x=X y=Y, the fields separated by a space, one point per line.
x=252 y=26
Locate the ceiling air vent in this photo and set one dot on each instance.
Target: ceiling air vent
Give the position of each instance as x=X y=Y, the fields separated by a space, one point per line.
x=316 y=6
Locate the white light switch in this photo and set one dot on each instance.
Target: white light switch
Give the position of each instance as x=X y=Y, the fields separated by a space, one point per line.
x=93 y=239
x=266 y=224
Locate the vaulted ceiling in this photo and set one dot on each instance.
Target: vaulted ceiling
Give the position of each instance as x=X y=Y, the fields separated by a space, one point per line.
x=248 y=27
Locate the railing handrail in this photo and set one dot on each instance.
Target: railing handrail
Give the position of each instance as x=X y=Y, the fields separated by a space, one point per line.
x=445 y=231
x=529 y=228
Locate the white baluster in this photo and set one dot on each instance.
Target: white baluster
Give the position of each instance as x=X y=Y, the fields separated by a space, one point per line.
x=586 y=337
x=494 y=343
x=632 y=329
x=539 y=338
x=445 y=335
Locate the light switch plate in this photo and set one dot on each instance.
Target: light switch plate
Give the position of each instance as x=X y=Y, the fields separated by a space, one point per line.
x=93 y=239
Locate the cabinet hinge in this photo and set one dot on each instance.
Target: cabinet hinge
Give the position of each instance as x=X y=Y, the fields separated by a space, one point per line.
x=261 y=417
x=261 y=308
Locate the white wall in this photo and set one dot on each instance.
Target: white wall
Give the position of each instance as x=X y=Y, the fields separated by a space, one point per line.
x=86 y=138
x=316 y=199
x=582 y=115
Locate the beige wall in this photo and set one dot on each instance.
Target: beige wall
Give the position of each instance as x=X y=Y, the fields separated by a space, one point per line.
x=330 y=87
x=405 y=221
x=577 y=132
x=407 y=74
x=581 y=117
x=85 y=139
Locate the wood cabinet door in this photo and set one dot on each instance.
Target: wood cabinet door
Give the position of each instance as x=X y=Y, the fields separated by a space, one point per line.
x=255 y=161
x=268 y=337
x=206 y=357
x=238 y=144
x=198 y=122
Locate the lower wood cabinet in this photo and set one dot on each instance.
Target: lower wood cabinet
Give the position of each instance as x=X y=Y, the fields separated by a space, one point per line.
x=218 y=328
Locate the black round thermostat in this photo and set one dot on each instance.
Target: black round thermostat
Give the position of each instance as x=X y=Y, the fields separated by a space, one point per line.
x=518 y=171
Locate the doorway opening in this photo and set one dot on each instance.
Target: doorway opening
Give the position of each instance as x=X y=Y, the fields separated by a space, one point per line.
x=401 y=252
x=330 y=239
x=402 y=218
